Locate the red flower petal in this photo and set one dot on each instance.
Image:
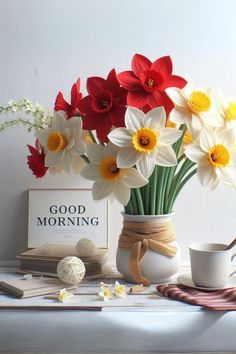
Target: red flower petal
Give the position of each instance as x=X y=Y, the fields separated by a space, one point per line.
x=128 y=80
x=117 y=116
x=95 y=85
x=140 y=64
x=61 y=104
x=163 y=66
x=85 y=105
x=173 y=81
x=76 y=95
x=167 y=103
x=103 y=130
x=36 y=162
x=146 y=108
x=90 y=122
x=112 y=83
x=158 y=99
x=155 y=99
x=137 y=99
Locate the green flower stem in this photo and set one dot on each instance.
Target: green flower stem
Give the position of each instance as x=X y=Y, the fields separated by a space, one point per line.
x=85 y=158
x=181 y=185
x=134 y=203
x=170 y=172
x=153 y=191
x=92 y=137
x=159 y=196
x=184 y=169
x=139 y=201
x=145 y=191
x=178 y=143
x=129 y=207
x=20 y=121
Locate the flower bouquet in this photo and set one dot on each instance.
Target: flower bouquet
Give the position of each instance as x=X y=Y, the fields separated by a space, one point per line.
x=139 y=135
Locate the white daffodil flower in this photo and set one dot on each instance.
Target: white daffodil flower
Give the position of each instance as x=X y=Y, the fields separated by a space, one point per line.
x=194 y=107
x=145 y=141
x=109 y=179
x=215 y=155
x=64 y=295
x=120 y=290
x=227 y=108
x=62 y=141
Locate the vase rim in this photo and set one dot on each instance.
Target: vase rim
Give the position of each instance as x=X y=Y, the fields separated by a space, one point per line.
x=141 y=218
x=148 y=215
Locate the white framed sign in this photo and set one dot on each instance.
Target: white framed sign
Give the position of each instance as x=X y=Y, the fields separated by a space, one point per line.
x=64 y=216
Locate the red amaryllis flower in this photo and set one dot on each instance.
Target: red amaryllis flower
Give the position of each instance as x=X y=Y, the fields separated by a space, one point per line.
x=71 y=109
x=147 y=81
x=105 y=105
x=36 y=160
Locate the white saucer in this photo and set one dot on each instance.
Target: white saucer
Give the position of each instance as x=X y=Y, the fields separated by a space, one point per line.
x=186 y=279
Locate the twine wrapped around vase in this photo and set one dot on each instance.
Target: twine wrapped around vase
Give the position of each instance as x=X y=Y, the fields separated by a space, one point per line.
x=139 y=237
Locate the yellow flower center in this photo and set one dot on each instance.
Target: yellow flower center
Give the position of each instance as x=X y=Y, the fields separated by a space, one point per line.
x=230 y=113
x=199 y=102
x=187 y=138
x=106 y=292
x=109 y=170
x=56 y=141
x=120 y=289
x=219 y=155
x=145 y=140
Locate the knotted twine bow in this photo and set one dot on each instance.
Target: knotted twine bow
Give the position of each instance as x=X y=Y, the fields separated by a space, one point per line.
x=139 y=237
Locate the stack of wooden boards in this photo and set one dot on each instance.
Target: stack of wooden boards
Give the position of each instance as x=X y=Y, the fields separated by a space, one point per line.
x=44 y=260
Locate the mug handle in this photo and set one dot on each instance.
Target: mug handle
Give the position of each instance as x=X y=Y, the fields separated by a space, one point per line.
x=232 y=258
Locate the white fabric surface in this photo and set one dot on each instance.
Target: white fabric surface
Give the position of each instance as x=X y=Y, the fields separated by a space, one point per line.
x=170 y=326
x=115 y=332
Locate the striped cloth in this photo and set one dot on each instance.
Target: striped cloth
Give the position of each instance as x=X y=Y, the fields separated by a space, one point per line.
x=220 y=300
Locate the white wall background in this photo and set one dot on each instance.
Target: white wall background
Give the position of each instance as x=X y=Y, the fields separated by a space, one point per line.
x=45 y=45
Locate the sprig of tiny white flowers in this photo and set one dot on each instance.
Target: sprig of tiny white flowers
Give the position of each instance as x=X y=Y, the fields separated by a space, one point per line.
x=42 y=117
x=107 y=291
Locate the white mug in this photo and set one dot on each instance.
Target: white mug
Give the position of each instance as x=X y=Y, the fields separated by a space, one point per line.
x=210 y=264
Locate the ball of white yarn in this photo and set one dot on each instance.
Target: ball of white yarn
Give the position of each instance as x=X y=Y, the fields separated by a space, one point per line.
x=71 y=270
x=85 y=247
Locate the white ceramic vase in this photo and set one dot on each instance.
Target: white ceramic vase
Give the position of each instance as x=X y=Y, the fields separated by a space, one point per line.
x=154 y=266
